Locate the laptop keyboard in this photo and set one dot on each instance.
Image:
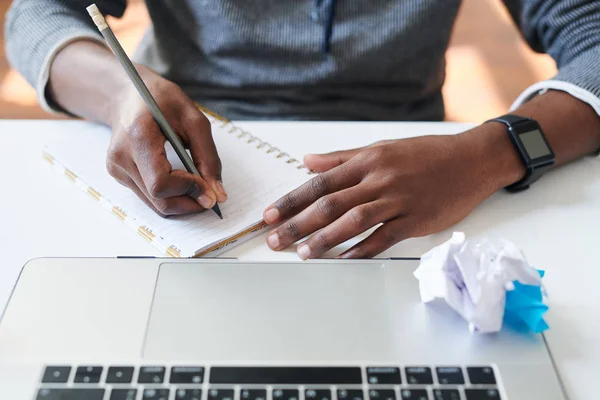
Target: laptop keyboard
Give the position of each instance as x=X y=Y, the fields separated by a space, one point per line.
x=92 y=382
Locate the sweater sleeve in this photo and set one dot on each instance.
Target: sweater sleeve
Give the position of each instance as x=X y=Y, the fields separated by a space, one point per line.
x=568 y=31
x=36 y=30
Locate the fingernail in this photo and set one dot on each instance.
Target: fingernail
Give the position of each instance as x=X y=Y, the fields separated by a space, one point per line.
x=272 y=215
x=303 y=251
x=348 y=254
x=206 y=201
x=273 y=241
x=220 y=188
x=220 y=191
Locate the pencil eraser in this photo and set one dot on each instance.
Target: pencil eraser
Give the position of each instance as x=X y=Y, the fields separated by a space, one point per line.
x=97 y=17
x=93 y=10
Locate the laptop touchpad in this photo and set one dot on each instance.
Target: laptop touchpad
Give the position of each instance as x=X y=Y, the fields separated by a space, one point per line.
x=251 y=312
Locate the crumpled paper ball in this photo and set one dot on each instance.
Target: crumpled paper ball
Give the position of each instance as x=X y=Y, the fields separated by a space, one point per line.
x=487 y=281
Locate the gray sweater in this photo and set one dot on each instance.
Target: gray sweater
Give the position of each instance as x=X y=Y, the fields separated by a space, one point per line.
x=310 y=59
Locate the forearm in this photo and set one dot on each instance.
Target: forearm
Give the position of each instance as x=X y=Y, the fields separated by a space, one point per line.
x=38 y=30
x=571 y=126
x=85 y=79
x=568 y=111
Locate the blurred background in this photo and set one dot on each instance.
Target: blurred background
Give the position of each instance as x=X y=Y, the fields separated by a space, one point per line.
x=488 y=63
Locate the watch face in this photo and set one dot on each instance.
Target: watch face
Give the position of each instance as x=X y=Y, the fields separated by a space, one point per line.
x=534 y=143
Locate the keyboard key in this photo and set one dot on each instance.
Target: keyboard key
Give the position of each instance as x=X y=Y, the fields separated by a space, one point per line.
x=56 y=374
x=350 y=394
x=317 y=394
x=419 y=375
x=482 y=394
x=383 y=375
x=123 y=394
x=450 y=375
x=119 y=375
x=220 y=394
x=155 y=394
x=377 y=394
x=188 y=394
x=446 y=394
x=187 y=375
x=414 y=394
x=253 y=394
x=70 y=394
x=481 y=375
x=285 y=394
x=151 y=375
x=286 y=375
x=88 y=374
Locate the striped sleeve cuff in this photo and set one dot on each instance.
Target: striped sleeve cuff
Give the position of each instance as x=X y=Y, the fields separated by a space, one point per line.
x=36 y=31
x=541 y=87
x=580 y=77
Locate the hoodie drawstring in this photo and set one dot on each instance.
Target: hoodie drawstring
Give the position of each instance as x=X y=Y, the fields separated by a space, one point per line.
x=329 y=16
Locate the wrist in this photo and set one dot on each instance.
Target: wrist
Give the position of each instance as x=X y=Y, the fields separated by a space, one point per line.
x=85 y=80
x=125 y=95
x=494 y=156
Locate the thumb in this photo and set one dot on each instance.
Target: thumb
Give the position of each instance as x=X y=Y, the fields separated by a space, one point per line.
x=325 y=162
x=204 y=151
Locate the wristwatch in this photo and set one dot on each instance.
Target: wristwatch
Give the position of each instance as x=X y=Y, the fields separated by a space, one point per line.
x=531 y=145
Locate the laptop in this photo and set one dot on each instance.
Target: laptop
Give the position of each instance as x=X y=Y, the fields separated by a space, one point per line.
x=165 y=329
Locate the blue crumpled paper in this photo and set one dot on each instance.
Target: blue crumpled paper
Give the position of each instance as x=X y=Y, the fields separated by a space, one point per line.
x=488 y=282
x=525 y=306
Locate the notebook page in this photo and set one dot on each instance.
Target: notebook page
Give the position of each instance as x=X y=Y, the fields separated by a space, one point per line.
x=252 y=178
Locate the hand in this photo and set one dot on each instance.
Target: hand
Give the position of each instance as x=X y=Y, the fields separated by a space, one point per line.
x=413 y=187
x=137 y=158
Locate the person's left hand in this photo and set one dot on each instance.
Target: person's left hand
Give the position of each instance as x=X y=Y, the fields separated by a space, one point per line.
x=413 y=187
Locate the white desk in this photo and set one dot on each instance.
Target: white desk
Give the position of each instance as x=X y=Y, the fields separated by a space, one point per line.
x=557 y=224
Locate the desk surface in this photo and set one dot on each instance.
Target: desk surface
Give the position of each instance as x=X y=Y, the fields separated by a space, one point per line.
x=556 y=223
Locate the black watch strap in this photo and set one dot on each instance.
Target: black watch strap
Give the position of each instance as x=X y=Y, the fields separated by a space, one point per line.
x=510 y=120
x=530 y=177
x=534 y=170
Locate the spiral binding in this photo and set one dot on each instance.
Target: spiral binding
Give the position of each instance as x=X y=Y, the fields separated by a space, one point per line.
x=261 y=144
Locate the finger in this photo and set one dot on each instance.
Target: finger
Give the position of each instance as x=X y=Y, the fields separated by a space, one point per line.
x=177 y=205
x=325 y=162
x=354 y=222
x=383 y=238
x=319 y=214
x=160 y=181
x=297 y=200
x=198 y=137
x=124 y=179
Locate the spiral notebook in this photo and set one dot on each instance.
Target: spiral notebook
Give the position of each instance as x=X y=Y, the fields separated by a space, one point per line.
x=255 y=174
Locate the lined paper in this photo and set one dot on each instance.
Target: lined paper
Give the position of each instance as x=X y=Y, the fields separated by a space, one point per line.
x=253 y=178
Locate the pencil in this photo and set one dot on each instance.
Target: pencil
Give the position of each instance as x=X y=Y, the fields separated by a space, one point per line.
x=141 y=87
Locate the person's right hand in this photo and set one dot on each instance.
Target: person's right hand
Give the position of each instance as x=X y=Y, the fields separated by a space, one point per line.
x=137 y=159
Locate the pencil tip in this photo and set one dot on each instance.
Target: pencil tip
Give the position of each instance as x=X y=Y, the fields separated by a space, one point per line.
x=217 y=211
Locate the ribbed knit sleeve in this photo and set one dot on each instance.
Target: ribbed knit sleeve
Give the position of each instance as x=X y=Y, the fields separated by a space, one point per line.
x=569 y=31
x=36 y=30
